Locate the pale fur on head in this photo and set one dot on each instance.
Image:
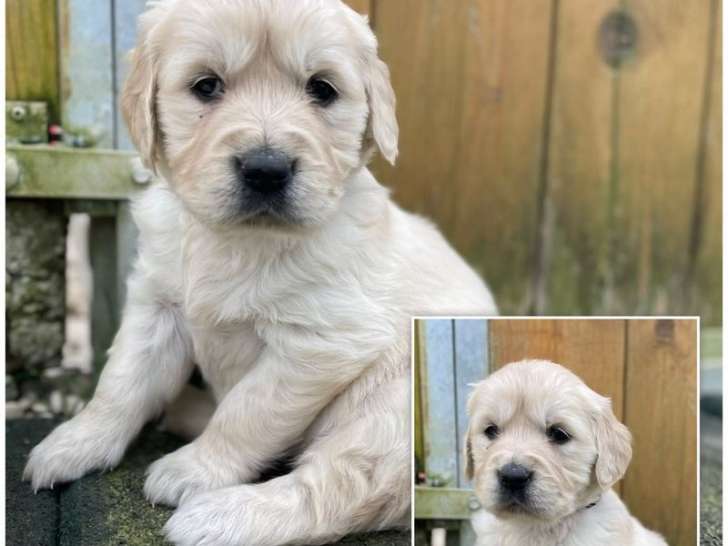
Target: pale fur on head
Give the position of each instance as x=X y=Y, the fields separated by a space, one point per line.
x=247 y=45
x=301 y=329
x=524 y=400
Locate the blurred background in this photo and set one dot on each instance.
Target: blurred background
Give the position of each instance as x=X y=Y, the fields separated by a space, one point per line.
x=649 y=369
x=569 y=149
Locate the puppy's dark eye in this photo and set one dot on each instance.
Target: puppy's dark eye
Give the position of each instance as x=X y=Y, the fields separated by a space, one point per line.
x=557 y=435
x=208 y=88
x=492 y=431
x=321 y=91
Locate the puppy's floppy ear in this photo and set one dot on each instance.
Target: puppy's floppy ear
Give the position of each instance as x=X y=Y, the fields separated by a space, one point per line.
x=383 y=126
x=614 y=446
x=138 y=97
x=468 y=457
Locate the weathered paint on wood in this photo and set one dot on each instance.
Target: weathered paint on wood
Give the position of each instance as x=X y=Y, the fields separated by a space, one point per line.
x=660 y=411
x=442 y=503
x=69 y=173
x=31 y=53
x=438 y=384
x=471 y=366
x=87 y=69
x=126 y=14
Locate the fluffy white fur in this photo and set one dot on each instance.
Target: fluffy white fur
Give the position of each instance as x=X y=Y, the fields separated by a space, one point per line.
x=299 y=324
x=523 y=400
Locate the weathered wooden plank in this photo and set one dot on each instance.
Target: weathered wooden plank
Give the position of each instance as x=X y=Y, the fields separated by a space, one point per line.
x=439 y=425
x=705 y=284
x=580 y=176
x=470 y=79
x=592 y=348
x=31 y=53
x=661 y=93
x=87 y=70
x=661 y=412
x=66 y=173
x=126 y=14
x=471 y=365
x=442 y=503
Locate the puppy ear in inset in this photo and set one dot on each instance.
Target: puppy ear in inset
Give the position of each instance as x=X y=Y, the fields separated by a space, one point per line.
x=138 y=97
x=383 y=128
x=468 y=457
x=614 y=447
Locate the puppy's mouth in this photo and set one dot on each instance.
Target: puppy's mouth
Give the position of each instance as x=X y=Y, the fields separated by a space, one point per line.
x=513 y=504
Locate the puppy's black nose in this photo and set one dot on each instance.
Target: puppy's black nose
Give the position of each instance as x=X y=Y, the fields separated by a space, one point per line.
x=264 y=170
x=514 y=477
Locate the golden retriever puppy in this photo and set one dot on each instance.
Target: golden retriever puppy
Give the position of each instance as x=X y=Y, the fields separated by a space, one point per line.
x=271 y=258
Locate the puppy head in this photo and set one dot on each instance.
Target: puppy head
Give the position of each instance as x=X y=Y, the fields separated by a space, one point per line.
x=257 y=111
x=540 y=443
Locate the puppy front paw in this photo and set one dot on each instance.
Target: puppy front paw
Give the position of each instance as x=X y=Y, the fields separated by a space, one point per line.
x=69 y=452
x=186 y=472
x=208 y=519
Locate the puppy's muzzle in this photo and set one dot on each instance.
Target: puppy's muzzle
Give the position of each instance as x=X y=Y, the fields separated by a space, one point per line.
x=514 y=480
x=264 y=171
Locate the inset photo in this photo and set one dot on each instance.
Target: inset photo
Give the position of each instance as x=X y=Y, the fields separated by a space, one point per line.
x=556 y=431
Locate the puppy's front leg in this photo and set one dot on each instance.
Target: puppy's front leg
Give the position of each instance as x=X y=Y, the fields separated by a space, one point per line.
x=149 y=363
x=263 y=415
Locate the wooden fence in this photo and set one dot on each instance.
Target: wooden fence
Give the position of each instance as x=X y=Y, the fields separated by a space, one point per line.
x=574 y=158
x=647 y=367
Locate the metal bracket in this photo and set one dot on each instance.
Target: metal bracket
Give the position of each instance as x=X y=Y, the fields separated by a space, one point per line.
x=26 y=122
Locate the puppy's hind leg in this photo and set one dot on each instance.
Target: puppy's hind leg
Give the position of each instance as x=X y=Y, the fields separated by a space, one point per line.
x=356 y=479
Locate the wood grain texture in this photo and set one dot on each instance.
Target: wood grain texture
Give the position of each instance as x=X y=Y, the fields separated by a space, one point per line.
x=658 y=132
x=705 y=283
x=579 y=179
x=470 y=81
x=31 y=53
x=660 y=410
x=592 y=349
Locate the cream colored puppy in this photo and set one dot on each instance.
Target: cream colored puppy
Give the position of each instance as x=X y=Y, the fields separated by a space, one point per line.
x=544 y=451
x=271 y=258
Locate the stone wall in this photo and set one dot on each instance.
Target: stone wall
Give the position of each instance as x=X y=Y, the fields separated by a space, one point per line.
x=34 y=291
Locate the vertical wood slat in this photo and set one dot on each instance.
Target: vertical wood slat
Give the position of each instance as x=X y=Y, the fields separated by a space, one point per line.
x=470 y=80
x=86 y=69
x=660 y=410
x=659 y=143
x=708 y=289
x=125 y=16
x=438 y=387
x=471 y=366
x=31 y=53
x=593 y=349
x=579 y=178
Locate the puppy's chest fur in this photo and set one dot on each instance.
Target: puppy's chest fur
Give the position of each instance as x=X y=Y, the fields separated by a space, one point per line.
x=240 y=292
